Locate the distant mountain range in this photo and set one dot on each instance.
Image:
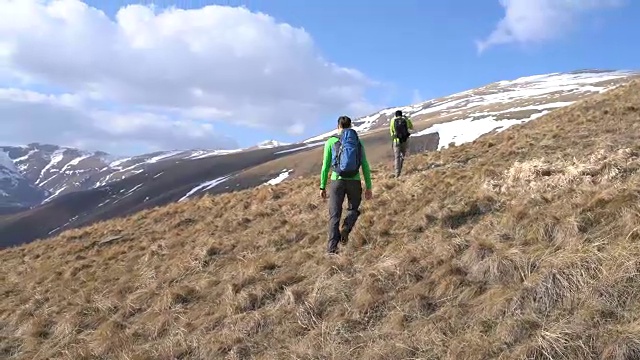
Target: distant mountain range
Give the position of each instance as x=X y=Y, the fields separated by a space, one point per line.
x=46 y=188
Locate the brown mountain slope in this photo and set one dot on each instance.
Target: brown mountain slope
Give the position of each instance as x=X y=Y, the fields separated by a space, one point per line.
x=167 y=184
x=309 y=162
x=524 y=244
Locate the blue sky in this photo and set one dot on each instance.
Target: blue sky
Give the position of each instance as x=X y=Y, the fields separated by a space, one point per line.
x=428 y=46
x=426 y=49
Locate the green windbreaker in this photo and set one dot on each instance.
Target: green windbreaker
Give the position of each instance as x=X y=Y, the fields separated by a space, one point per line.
x=326 y=166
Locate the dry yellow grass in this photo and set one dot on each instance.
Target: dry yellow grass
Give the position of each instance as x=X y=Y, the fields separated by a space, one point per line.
x=523 y=244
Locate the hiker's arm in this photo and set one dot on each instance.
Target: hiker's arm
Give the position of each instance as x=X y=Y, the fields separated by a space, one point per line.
x=391 y=129
x=326 y=165
x=366 y=170
x=409 y=124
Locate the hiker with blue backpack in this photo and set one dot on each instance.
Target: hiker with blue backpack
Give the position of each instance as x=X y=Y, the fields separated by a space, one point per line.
x=399 y=127
x=344 y=154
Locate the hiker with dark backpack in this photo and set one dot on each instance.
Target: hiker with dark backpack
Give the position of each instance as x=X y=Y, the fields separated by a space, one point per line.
x=344 y=155
x=399 y=127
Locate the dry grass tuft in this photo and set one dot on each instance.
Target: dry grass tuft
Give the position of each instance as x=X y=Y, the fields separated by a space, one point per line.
x=535 y=175
x=523 y=244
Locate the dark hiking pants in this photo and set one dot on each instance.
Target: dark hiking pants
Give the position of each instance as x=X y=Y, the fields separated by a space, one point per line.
x=399 y=152
x=338 y=190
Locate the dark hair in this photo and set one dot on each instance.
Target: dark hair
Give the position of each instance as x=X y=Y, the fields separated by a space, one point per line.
x=344 y=122
x=398 y=112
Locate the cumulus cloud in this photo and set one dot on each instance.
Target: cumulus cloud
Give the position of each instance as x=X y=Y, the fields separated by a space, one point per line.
x=537 y=21
x=162 y=77
x=28 y=115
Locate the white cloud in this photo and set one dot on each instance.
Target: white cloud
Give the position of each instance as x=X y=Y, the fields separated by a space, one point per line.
x=27 y=115
x=537 y=21
x=162 y=77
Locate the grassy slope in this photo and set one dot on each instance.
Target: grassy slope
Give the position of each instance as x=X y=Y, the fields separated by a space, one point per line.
x=524 y=244
x=309 y=162
x=176 y=181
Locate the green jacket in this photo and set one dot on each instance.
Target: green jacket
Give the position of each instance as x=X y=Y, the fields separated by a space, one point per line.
x=326 y=166
x=392 y=130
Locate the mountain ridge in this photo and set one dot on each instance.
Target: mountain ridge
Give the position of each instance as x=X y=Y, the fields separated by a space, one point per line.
x=118 y=187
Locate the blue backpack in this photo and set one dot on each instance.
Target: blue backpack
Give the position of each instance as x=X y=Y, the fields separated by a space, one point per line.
x=347 y=154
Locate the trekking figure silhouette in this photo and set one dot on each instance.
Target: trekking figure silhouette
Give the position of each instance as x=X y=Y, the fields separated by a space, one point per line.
x=344 y=155
x=399 y=127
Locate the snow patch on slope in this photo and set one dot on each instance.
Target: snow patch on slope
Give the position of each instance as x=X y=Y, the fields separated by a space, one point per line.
x=468 y=130
x=576 y=78
x=205 y=154
x=299 y=148
x=205 y=186
x=280 y=178
x=75 y=162
x=56 y=157
x=271 y=144
x=163 y=156
x=56 y=193
x=116 y=163
x=477 y=124
x=25 y=157
x=530 y=87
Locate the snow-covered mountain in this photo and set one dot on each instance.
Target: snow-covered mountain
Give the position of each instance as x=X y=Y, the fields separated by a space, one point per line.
x=48 y=177
x=55 y=170
x=469 y=114
x=59 y=170
x=16 y=192
x=271 y=144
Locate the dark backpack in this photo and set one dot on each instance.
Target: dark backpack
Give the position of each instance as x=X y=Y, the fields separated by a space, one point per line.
x=347 y=154
x=401 y=128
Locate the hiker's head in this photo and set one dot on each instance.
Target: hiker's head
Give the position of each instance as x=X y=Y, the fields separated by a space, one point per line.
x=344 y=122
x=398 y=113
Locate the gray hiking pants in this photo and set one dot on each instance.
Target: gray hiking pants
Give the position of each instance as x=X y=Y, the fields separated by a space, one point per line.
x=338 y=190
x=399 y=152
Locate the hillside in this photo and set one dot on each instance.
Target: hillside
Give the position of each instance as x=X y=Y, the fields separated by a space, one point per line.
x=500 y=104
x=53 y=170
x=16 y=192
x=120 y=187
x=57 y=170
x=523 y=244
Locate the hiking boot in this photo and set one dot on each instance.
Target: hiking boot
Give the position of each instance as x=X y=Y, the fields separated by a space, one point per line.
x=332 y=252
x=344 y=236
x=332 y=247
